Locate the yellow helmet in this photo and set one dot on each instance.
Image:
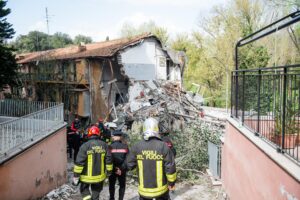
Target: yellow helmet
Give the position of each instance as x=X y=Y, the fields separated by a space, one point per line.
x=150 y=128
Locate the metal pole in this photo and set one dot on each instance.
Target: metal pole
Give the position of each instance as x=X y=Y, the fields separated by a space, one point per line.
x=243 y=99
x=227 y=89
x=258 y=104
x=284 y=106
x=231 y=96
x=236 y=80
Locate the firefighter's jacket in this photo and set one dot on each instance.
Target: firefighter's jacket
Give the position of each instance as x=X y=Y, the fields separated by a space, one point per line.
x=93 y=160
x=169 y=143
x=75 y=126
x=119 y=151
x=156 y=167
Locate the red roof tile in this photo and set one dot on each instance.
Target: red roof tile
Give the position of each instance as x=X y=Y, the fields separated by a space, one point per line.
x=99 y=49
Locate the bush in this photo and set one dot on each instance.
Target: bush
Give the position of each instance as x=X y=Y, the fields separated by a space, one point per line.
x=192 y=147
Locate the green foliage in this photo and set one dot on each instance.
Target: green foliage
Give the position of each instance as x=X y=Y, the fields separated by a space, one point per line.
x=192 y=146
x=81 y=38
x=252 y=57
x=39 y=41
x=6 y=30
x=291 y=115
x=8 y=64
x=33 y=41
x=128 y=30
x=59 y=40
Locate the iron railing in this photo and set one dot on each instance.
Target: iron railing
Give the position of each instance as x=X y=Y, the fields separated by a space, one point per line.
x=17 y=133
x=267 y=101
x=18 y=108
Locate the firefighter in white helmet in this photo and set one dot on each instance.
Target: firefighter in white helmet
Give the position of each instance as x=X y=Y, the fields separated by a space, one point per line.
x=155 y=164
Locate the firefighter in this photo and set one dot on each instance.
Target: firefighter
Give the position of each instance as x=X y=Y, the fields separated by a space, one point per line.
x=92 y=159
x=119 y=152
x=109 y=128
x=155 y=164
x=167 y=140
x=75 y=136
x=76 y=125
x=101 y=125
x=69 y=141
x=164 y=135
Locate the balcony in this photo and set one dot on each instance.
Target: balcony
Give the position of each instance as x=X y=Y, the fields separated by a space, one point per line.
x=53 y=78
x=267 y=102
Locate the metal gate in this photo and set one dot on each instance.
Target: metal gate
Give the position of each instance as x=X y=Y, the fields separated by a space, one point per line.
x=214 y=155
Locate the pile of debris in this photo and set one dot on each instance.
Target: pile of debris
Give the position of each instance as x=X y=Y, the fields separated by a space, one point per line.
x=163 y=100
x=65 y=192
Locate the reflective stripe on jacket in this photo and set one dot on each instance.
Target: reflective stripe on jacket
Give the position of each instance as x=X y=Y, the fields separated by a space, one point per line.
x=156 y=167
x=93 y=160
x=119 y=151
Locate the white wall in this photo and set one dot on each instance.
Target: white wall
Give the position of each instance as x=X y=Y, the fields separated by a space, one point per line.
x=141 y=62
x=175 y=74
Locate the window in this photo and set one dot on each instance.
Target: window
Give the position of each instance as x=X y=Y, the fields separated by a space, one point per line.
x=162 y=61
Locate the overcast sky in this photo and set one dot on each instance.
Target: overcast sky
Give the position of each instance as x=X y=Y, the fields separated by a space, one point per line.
x=101 y=18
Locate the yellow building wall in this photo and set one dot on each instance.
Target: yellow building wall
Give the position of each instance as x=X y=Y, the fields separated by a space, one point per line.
x=82 y=71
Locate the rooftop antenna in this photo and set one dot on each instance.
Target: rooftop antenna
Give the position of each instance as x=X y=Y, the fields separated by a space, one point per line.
x=47 y=20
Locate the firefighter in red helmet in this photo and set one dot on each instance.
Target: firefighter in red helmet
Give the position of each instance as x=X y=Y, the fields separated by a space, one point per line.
x=92 y=160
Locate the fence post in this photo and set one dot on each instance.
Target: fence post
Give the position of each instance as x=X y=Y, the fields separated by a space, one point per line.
x=243 y=98
x=258 y=104
x=231 y=91
x=284 y=106
x=236 y=94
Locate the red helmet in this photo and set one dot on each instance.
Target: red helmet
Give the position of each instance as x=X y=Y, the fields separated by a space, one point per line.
x=94 y=130
x=100 y=119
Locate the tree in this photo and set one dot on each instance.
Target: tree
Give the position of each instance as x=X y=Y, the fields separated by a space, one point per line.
x=8 y=65
x=59 y=40
x=251 y=57
x=33 y=41
x=128 y=30
x=294 y=4
x=211 y=55
x=39 y=41
x=81 y=38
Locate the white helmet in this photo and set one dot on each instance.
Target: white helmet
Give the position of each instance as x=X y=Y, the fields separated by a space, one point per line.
x=150 y=128
x=110 y=125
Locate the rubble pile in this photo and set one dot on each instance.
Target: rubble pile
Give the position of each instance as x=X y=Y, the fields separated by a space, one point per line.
x=165 y=101
x=64 y=192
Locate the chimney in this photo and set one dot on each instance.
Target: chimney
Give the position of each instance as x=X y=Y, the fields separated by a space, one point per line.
x=81 y=47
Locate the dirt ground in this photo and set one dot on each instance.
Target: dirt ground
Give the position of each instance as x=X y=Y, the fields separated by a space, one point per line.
x=202 y=189
x=184 y=191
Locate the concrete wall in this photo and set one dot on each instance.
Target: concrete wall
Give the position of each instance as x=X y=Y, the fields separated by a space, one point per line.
x=146 y=61
x=36 y=171
x=250 y=172
x=175 y=73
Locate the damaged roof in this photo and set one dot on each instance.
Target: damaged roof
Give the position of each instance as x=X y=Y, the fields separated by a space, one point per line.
x=99 y=49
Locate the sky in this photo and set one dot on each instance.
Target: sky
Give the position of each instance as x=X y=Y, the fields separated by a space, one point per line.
x=101 y=18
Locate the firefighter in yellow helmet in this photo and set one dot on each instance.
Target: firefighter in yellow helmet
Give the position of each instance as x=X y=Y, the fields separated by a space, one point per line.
x=89 y=169
x=155 y=164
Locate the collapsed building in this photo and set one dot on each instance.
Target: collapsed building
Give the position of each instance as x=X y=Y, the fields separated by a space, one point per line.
x=91 y=79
